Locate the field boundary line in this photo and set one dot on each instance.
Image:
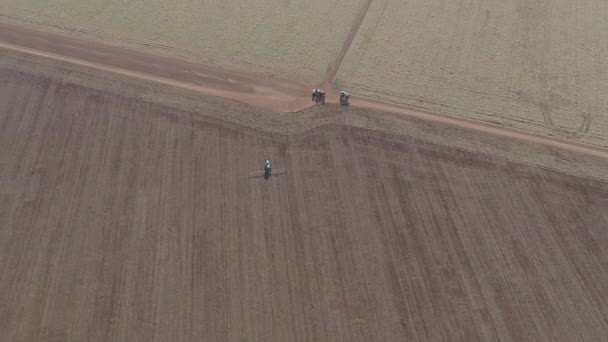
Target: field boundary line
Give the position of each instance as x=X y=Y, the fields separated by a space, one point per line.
x=280 y=96
x=368 y=103
x=333 y=71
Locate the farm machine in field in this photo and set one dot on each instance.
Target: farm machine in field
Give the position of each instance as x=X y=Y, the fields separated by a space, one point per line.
x=318 y=96
x=268 y=171
x=344 y=98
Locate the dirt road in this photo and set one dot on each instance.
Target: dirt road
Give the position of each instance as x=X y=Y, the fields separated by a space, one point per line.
x=346 y=46
x=263 y=92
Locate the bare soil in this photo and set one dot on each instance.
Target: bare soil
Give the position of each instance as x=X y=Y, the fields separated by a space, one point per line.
x=121 y=219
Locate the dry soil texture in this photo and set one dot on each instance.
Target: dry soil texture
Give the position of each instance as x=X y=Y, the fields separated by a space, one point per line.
x=539 y=65
x=124 y=220
x=283 y=38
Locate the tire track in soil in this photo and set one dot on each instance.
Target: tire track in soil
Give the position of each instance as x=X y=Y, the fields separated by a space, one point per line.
x=331 y=75
x=578 y=132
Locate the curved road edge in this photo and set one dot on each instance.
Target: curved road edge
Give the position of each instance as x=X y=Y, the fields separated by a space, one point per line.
x=263 y=92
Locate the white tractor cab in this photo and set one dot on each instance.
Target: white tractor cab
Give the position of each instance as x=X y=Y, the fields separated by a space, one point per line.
x=267 y=171
x=344 y=98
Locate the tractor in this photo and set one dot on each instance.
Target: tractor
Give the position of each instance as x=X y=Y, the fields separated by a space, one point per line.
x=344 y=98
x=318 y=96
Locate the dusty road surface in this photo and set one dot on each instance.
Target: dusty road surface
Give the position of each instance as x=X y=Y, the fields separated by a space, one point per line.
x=263 y=92
x=287 y=39
x=122 y=220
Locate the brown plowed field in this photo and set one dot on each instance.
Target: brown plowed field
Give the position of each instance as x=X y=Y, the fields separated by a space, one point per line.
x=125 y=220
